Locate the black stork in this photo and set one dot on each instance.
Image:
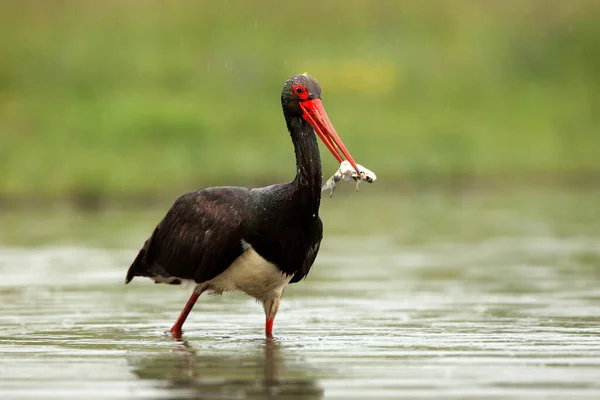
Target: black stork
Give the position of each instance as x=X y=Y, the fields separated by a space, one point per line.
x=224 y=239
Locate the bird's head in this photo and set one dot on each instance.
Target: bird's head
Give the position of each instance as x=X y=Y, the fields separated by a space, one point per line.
x=301 y=98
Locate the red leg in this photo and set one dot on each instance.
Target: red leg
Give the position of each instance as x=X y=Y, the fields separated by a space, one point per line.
x=176 y=329
x=269 y=328
x=271 y=306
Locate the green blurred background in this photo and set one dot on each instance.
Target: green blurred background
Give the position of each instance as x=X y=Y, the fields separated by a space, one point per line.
x=131 y=100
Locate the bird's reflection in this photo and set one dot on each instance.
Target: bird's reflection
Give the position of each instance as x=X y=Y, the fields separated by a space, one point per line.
x=260 y=371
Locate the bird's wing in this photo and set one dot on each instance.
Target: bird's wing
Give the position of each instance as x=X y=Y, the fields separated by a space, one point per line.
x=311 y=255
x=198 y=239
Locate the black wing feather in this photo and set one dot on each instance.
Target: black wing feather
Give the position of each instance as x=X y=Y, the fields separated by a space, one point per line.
x=308 y=262
x=198 y=239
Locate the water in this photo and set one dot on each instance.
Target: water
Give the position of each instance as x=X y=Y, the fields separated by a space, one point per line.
x=479 y=295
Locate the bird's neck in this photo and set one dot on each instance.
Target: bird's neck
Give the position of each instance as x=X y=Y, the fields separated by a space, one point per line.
x=309 y=175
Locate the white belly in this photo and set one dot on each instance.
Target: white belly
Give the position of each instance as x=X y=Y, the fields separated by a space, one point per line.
x=251 y=274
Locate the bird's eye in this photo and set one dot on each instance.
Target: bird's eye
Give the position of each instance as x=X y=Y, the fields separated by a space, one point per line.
x=300 y=91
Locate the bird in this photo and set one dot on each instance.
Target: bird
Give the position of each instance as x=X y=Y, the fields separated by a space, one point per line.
x=224 y=239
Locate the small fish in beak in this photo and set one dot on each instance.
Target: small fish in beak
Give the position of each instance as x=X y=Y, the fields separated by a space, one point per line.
x=347 y=172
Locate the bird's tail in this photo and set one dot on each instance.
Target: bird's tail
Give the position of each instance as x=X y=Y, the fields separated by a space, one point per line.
x=140 y=266
x=137 y=265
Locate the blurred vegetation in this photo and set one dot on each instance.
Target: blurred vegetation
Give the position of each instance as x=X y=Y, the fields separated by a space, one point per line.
x=132 y=98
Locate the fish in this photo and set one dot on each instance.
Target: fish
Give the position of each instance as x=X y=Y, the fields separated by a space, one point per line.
x=347 y=172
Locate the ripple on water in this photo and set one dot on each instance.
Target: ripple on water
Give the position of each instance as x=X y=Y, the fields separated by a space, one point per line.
x=449 y=316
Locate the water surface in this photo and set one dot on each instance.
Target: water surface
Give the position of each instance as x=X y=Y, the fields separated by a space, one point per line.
x=478 y=295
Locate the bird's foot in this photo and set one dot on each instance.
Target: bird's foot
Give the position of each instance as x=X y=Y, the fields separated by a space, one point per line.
x=176 y=332
x=269 y=328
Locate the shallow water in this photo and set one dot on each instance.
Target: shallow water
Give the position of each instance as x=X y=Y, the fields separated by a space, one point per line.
x=479 y=295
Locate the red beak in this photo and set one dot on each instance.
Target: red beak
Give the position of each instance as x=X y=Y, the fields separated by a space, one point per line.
x=315 y=115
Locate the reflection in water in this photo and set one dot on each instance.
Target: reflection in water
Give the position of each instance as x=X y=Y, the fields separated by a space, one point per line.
x=258 y=372
x=486 y=297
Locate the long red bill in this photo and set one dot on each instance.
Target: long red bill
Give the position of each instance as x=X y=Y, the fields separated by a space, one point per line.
x=315 y=115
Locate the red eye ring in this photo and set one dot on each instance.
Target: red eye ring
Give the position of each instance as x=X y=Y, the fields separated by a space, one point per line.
x=300 y=91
